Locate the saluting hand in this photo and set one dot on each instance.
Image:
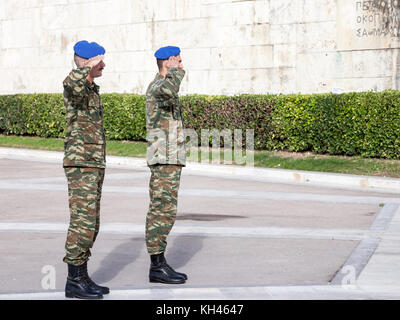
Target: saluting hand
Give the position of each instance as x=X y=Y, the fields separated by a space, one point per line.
x=174 y=62
x=92 y=62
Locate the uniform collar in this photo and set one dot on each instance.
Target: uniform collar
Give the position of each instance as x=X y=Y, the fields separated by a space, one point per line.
x=159 y=77
x=94 y=86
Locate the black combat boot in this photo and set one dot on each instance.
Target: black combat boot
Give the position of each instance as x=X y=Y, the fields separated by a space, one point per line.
x=160 y=271
x=160 y=258
x=103 y=290
x=78 y=285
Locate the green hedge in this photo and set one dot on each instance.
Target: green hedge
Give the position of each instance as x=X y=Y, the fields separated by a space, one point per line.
x=366 y=124
x=43 y=115
x=124 y=116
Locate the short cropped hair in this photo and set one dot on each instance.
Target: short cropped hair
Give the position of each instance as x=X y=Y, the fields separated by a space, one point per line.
x=78 y=60
x=160 y=64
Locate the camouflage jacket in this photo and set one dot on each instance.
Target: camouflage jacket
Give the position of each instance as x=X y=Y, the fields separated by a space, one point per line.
x=85 y=142
x=165 y=139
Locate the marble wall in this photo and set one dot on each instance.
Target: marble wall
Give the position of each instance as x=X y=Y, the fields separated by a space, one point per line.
x=228 y=46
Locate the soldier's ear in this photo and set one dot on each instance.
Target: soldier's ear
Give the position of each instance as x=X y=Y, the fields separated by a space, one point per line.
x=165 y=63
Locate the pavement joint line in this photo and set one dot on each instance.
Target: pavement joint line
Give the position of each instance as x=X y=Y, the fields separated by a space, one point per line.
x=384 y=217
x=219 y=193
x=218 y=293
x=332 y=180
x=381 y=274
x=361 y=255
x=357 y=261
x=108 y=176
x=204 y=231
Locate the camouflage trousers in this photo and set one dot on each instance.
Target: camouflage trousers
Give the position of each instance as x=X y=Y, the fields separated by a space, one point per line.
x=84 y=192
x=164 y=186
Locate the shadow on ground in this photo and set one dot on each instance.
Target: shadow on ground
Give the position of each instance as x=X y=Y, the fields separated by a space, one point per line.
x=178 y=254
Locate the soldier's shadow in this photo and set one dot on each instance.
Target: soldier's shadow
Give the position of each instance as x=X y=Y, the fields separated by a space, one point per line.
x=179 y=252
x=183 y=249
x=121 y=256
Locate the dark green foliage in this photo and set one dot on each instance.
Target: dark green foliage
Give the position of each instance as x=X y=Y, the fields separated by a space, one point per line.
x=124 y=116
x=41 y=115
x=235 y=112
x=366 y=123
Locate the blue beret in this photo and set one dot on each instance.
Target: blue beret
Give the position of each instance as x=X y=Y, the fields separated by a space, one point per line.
x=165 y=52
x=88 y=50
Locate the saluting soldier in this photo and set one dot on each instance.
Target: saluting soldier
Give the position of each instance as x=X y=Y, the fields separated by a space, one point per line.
x=165 y=158
x=84 y=165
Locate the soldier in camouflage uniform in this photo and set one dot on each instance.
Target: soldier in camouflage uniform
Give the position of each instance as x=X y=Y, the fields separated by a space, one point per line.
x=84 y=164
x=165 y=157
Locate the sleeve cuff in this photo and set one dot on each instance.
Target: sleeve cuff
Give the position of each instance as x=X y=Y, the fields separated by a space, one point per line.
x=172 y=70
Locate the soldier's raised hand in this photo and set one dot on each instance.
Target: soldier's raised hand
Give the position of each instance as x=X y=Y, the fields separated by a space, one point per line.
x=94 y=61
x=174 y=62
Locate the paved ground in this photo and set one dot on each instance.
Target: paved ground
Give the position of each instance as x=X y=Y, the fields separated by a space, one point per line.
x=236 y=238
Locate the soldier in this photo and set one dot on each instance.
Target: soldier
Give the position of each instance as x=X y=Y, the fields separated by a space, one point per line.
x=84 y=166
x=165 y=157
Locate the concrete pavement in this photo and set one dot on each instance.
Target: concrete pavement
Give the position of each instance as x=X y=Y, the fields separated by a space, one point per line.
x=343 y=181
x=241 y=233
